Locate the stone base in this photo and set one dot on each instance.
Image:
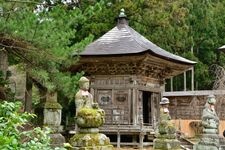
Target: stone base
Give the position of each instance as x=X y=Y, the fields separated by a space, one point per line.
x=208 y=142
x=92 y=141
x=57 y=140
x=55 y=129
x=166 y=144
x=106 y=147
x=88 y=130
x=205 y=147
x=166 y=136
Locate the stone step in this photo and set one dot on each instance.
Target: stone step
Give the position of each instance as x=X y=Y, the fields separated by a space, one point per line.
x=186 y=147
x=185 y=144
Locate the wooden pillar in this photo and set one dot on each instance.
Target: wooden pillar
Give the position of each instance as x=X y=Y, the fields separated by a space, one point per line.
x=118 y=136
x=185 y=82
x=192 y=79
x=171 y=84
x=141 y=136
x=134 y=106
x=130 y=105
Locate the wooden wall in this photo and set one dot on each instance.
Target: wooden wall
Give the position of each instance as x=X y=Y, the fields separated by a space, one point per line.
x=189 y=105
x=121 y=97
x=186 y=109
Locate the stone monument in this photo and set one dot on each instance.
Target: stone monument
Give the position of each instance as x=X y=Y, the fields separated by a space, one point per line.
x=88 y=118
x=52 y=119
x=165 y=135
x=210 y=122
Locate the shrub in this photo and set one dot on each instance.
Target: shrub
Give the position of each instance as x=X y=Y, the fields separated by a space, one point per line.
x=13 y=135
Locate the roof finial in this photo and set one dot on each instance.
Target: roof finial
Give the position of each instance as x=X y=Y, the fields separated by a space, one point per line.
x=122 y=13
x=122 y=18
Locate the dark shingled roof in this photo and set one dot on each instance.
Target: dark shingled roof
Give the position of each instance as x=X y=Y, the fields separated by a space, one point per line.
x=122 y=40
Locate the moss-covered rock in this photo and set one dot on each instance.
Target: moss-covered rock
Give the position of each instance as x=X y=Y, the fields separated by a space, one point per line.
x=89 y=140
x=90 y=118
x=52 y=105
x=106 y=147
x=166 y=144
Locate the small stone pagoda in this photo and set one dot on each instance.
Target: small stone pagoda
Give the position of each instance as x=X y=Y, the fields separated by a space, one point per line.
x=127 y=74
x=210 y=122
x=166 y=133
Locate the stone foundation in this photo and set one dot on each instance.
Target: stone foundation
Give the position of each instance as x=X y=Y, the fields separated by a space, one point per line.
x=166 y=144
x=208 y=142
x=57 y=140
x=90 y=141
x=108 y=147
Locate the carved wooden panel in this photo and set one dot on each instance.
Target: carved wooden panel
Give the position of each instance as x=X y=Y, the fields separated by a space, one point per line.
x=105 y=102
x=111 y=80
x=116 y=106
x=104 y=97
x=121 y=97
x=121 y=106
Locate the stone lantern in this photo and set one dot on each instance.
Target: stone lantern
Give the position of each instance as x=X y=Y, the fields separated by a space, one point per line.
x=52 y=118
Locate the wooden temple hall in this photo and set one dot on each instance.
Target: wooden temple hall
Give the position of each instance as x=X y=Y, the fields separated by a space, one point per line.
x=127 y=74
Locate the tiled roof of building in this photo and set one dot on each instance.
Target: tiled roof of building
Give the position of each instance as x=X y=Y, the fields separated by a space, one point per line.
x=122 y=40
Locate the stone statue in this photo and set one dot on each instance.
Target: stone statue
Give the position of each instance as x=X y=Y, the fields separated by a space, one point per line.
x=85 y=104
x=83 y=98
x=165 y=125
x=210 y=120
x=89 y=117
x=166 y=137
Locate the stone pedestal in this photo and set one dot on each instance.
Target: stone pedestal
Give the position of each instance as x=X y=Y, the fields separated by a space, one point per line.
x=57 y=140
x=90 y=141
x=88 y=137
x=208 y=142
x=52 y=119
x=166 y=142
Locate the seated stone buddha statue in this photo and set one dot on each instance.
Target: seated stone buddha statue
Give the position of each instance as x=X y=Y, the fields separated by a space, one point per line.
x=88 y=114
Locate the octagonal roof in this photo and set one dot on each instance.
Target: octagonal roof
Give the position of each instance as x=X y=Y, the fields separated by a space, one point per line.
x=123 y=40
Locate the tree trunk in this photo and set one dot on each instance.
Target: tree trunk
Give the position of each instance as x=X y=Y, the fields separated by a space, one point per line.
x=3 y=69
x=28 y=94
x=3 y=61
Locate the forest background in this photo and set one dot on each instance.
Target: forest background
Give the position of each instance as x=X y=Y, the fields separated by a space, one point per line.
x=44 y=37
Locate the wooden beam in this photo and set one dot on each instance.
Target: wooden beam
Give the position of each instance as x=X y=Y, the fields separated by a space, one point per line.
x=194 y=93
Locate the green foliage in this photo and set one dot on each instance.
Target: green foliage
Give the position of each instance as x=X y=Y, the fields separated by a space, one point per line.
x=51 y=37
x=181 y=27
x=195 y=26
x=13 y=136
